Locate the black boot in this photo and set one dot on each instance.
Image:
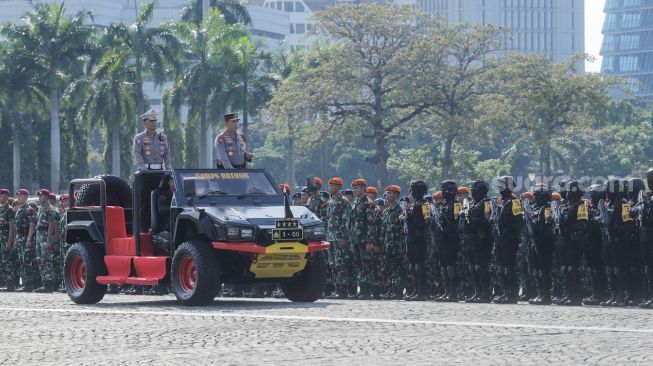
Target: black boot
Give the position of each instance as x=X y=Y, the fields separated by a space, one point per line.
x=47 y=288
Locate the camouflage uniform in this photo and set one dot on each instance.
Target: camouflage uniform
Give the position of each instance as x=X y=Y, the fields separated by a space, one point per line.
x=376 y=258
x=57 y=259
x=392 y=238
x=337 y=214
x=24 y=217
x=45 y=248
x=362 y=229
x=9 y=258
x=317 y=205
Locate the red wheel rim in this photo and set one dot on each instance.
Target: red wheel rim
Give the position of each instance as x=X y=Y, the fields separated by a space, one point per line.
x=187 y=274
x=77 y=274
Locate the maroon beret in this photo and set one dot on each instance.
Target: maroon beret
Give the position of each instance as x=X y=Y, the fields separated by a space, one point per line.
x=4 y=191
x=43 y=192
x=22 y=192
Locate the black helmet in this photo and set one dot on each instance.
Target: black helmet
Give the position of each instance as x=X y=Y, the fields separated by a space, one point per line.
x=597 y=192
x=614 y=186
x=479 y=189
x=635 y=185
x=649 y=174
x=574 y=186
x=541 y=193
x=506 y=183
x=418 y=189
x=449 y=186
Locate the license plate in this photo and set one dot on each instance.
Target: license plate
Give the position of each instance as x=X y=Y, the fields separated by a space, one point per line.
x=287 y=224
x=287 y=234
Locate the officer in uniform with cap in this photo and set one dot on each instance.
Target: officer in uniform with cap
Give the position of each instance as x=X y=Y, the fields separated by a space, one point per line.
x=151 y=149
x=230 y=145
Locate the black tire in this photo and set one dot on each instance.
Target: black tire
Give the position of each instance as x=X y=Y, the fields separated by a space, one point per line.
x=80 y=282
x=118 y=192
x=308 y=286
x=194 y=275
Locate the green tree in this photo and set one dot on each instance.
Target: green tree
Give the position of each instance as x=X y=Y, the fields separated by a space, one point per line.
x=53 y=45
x=205 y=76
x=361 y=77
x=233 y=11
x=144 y=49
x=545 y=100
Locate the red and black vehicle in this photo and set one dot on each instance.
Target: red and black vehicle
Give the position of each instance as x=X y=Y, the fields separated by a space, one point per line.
x=230 y=226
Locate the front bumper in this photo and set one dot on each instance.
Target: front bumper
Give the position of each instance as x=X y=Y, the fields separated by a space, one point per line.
x=280 y=260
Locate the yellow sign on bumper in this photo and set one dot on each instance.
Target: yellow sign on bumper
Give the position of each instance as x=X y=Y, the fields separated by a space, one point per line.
x=281 y=260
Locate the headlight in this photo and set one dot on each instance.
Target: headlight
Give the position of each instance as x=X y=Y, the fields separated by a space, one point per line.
x=318 y=231
x=239 y=233
x=314 y=230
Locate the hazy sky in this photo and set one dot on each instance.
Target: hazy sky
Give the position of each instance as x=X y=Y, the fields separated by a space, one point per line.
x=593 y=24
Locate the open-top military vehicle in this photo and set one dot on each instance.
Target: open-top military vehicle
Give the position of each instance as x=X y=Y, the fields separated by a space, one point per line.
x=225 y=226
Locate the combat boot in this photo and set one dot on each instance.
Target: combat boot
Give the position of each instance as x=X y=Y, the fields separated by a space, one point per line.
x=47 y=288
x=113 y=289
x=11 y=287
x=376 y=293
x=366 y=293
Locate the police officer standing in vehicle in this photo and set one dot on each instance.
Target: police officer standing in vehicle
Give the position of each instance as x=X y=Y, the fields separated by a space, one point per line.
x=151 y=148
x=230 y=145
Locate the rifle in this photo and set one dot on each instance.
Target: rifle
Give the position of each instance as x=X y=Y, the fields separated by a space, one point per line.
x=605 y=219
x=404 y=209
x=466 y=208
x=495 y=211
x=436 y=214
x=641 y=203
x=555 y=213
x=528 y=219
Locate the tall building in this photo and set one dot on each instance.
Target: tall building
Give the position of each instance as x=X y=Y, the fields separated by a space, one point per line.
x=551 y=27
x=627 y=47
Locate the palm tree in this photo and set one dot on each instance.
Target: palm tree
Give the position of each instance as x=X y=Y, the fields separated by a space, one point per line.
x=20 y=88
x=53 y=45
x=233 y=11
x=204 y=46
x=146 y=50
x=252 y=78
x=110 y=102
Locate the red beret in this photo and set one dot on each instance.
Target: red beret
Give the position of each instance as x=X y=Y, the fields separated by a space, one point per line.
x=463 y=190
x=393 y=188
x=555 y=196
x=22 y=192
x=371 y=190
x=4 y=191
x=437 y=195
x=53 y=196
x=43 y=192
x=318 y=181
x=336 y=181
x=358 y=182
x=526 y=195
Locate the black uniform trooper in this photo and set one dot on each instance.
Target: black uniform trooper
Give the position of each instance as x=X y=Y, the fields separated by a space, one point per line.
x=541 y=244
x=510 y=223
x=644 y=214
x=574 y=216
x=417 y=216
x=617 y=232
x=593 y=247
x=638 y=257
x=478 y=232
x=448 y=238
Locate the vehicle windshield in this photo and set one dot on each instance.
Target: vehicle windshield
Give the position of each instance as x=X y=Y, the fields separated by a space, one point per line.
x=225 y=183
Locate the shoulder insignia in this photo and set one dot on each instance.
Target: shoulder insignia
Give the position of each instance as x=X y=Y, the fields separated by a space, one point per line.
x=426 y=212
x=547 y=213
x=582 y=213
x=487 y=209
x=625 y=212
x=517 y=208
x=457 y=207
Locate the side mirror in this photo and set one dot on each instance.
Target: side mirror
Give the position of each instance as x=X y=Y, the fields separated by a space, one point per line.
x=310 y=183
x=189 y=188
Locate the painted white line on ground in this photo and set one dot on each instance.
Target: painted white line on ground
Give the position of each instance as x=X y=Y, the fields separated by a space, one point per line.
x=326 y=318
